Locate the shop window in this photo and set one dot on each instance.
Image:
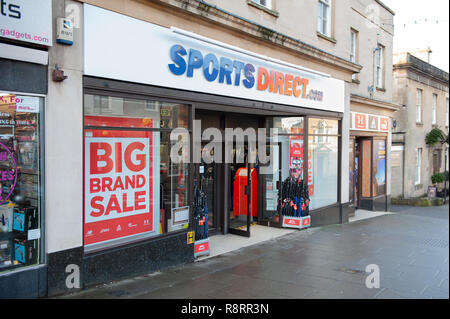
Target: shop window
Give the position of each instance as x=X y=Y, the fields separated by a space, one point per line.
x=322 y=127
x=160 y=115
x=379 y=167
x=133 y=190
x=288 y=125
x=290 y=130
x=287 y=163
x=322 y=162
x=20 y=181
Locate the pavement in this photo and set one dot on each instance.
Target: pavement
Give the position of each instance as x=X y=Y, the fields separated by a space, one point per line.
x=409 y=246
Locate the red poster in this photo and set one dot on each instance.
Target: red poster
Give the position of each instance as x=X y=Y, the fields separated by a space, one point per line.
x=296 y=153
x=360 y=121
x=384 y=124
x=118 y=184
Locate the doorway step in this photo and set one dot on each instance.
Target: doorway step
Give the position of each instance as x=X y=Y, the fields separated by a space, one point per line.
x=221 y=244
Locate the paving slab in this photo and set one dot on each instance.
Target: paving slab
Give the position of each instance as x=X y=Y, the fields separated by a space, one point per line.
x=410 y=248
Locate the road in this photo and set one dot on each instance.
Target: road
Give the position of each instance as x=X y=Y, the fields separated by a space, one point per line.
x=410 y=248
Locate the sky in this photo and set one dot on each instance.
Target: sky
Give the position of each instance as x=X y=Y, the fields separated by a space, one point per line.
x=420 y=24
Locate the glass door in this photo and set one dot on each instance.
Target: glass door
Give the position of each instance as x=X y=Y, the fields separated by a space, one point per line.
x=243 y=193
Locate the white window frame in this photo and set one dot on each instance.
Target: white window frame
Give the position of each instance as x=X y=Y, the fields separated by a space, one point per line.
x=324 y=21
x=418 y=166
x=264 y=3
x=419 y=94
x=433 y=109
x=379 y=66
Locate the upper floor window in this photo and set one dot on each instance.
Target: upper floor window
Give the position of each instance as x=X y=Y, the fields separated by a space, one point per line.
x=353 y=48
x=265 y=3
x=446 y=114
x=353 y=36
x=324 y=17
x=433 y=109
x=419 y=106
x=379 y=56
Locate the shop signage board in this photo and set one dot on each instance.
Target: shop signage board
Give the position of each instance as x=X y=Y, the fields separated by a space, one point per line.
x=27 y=21
x=119 y=185
x=141 y=52
x=296 y=222
x=201 y=247
x=369 y=122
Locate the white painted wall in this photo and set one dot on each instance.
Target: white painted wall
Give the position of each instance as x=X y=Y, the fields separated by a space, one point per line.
x=64 y=144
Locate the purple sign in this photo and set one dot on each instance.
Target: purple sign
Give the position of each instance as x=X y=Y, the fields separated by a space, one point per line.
x=7 y=175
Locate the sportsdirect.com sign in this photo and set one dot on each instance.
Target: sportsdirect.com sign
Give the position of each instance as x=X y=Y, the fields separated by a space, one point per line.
x=118 y=185
x=176 y=59
x=27 y=20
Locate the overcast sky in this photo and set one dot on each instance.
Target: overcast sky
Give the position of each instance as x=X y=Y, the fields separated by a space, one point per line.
x=420 y=24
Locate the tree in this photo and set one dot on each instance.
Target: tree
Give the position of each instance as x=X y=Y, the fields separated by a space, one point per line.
x=436 y=135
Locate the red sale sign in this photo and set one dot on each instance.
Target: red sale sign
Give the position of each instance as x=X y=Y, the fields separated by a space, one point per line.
x=118 y=184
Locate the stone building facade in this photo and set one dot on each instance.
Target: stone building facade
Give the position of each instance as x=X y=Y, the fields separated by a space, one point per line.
x=422 y=91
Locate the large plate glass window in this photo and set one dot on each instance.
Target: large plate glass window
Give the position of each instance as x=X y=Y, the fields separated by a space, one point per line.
x=379 y=167
x=20 y=181
x=287 y=164
x=322 y=162
x=133 y=190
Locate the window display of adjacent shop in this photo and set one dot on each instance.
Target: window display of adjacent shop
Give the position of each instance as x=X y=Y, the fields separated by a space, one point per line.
x=133 y=190
x=20 y=181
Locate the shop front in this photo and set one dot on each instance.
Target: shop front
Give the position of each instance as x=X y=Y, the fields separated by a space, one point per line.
x=368 y=161
x=175 y=81
x=185 y=137
x=24 y=43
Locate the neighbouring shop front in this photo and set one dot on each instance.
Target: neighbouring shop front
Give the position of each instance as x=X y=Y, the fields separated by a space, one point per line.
x=24 y=42
x=368 y=161
x=140 y=206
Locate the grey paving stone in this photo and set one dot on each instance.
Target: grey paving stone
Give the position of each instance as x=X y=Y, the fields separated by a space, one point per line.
x=326 y=262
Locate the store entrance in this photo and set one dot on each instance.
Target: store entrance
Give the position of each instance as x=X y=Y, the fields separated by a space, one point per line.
x=243 y=191
x=231 y=193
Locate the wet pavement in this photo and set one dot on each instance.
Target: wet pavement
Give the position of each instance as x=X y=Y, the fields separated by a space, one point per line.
x=410 y=247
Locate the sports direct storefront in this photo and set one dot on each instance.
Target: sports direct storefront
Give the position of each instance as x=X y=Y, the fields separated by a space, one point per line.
x=147 y=88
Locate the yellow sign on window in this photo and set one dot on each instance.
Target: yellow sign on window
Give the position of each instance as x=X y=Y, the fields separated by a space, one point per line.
x=190 y=237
